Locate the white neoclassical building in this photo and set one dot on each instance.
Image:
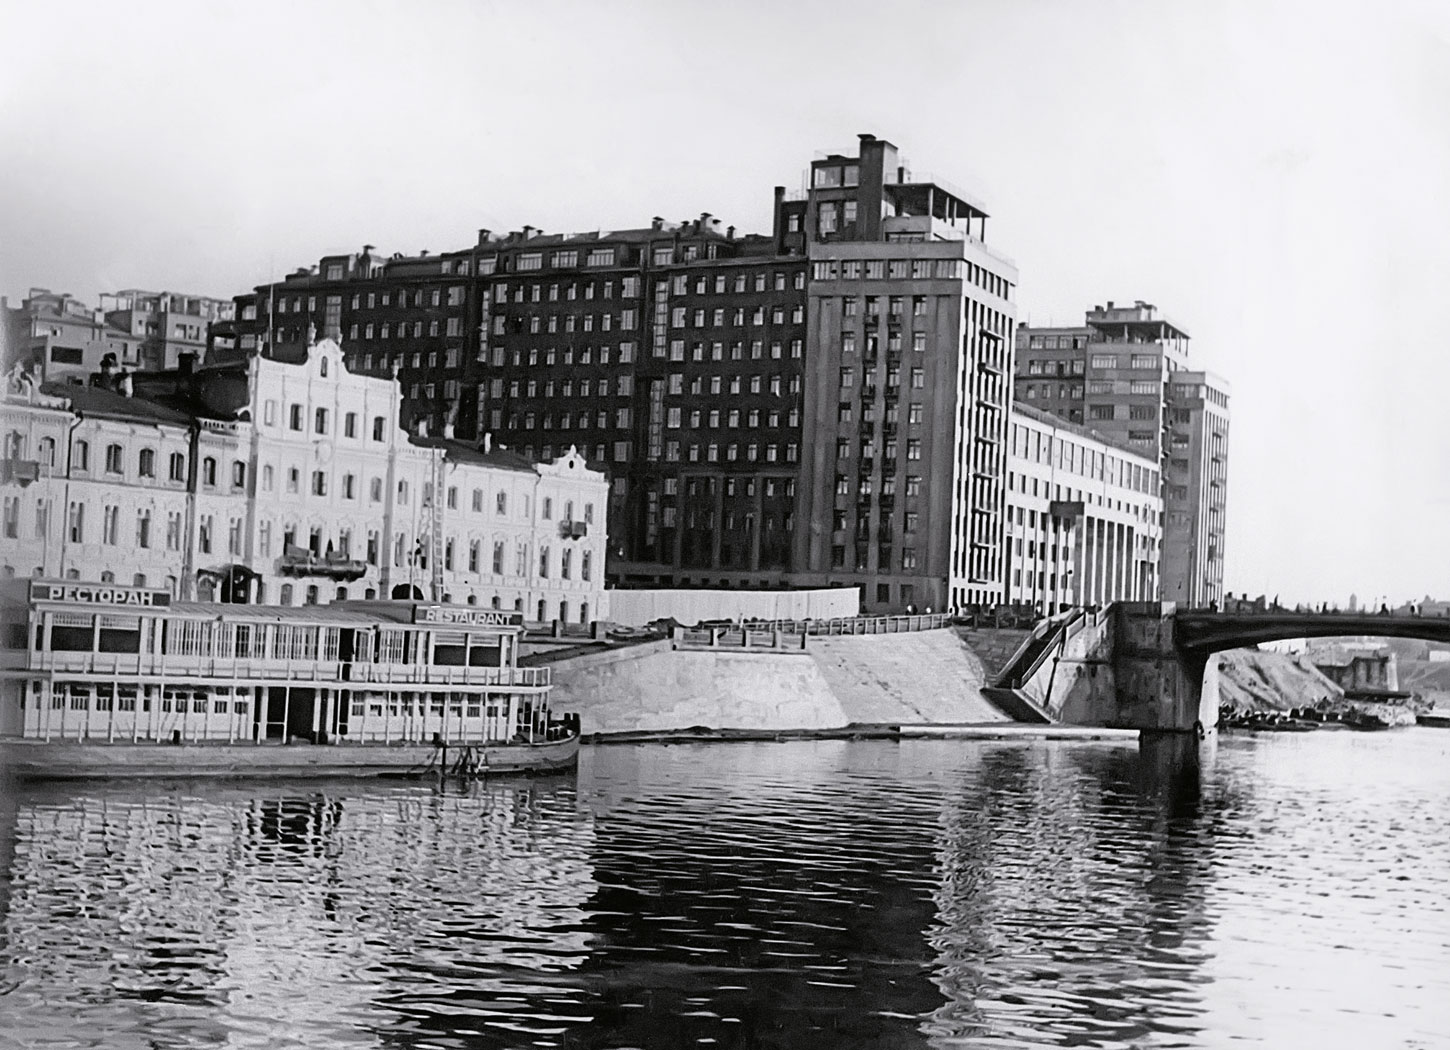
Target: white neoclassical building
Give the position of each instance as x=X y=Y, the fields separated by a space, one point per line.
x=291 y=484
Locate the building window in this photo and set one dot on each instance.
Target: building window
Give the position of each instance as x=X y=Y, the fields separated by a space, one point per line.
x=146 y=463
x=113 y=459
x=208 y=471
x=294 y=417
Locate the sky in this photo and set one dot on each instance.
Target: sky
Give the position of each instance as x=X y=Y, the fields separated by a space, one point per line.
x=1275 y=177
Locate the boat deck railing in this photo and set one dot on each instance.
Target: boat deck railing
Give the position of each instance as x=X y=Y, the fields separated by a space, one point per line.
x=335 y=673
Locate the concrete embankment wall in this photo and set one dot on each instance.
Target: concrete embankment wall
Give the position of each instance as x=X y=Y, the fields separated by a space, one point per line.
x=928 y=676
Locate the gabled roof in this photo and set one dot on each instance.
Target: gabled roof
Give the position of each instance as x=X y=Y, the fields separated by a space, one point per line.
x=462 y=452
x=107 y=404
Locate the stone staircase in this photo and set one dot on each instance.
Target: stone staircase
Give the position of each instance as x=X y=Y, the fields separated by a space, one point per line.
x=993 y=646
x=996 y=647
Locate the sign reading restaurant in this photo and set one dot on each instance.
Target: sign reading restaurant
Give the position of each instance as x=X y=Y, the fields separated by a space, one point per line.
x=456 y=614
x=99 y=594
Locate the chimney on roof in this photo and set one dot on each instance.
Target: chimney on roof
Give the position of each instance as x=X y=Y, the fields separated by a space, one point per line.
x=423 y=254
x=657 y=223
x=1110 y=304
x=125 y=386
x=527 y=232
x=730 y=233
x=483 y=235
x=867 y=137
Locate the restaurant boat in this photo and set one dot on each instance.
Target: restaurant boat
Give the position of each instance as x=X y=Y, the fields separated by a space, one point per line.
x=102 y=680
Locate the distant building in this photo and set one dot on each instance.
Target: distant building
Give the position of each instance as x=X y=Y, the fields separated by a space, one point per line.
x=168 y=324
x=1374 y=668
x=1082 y=517
x=1125 y=373
x=57 y=337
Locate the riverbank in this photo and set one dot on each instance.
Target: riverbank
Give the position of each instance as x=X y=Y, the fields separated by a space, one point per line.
x=1285 y=692
x=835 y=684
x=987 y=731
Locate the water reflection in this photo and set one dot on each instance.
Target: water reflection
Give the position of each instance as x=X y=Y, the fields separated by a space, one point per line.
x=231 y=917
x=834 y=894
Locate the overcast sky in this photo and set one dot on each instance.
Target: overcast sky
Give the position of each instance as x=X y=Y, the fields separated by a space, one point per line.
x=1274 y=177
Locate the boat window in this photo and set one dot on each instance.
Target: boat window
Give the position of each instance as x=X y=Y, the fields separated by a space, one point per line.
x=120 y=634
x=72 y=632
x=449 y=647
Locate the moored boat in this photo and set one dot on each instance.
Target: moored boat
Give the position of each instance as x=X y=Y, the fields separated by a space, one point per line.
x=113 y=681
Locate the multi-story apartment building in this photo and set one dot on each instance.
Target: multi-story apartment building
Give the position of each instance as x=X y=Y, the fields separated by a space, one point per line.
x=1195 y=490
x=1083 y=516
x=289 y=483
x=908 y=381
x=672 y=354
x=169 y=324
x=1124 y=373
x=59 y=337
x=414 y=317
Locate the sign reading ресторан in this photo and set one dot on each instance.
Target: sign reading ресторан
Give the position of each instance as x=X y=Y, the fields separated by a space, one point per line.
x=99 y=594
x=463 y=615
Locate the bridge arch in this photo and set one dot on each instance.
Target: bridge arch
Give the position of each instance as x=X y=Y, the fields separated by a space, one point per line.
x=1201 y=633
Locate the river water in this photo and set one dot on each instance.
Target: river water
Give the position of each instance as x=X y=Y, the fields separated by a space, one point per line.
x=1283 y=890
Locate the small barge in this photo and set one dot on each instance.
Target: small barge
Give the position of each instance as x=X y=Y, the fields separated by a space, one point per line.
x=102 y=681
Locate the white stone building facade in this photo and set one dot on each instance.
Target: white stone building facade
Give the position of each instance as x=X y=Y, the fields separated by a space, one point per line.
x=1084 y=517
x=289 y=484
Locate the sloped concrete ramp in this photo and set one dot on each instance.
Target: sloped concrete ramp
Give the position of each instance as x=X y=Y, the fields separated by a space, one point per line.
x=925 y=677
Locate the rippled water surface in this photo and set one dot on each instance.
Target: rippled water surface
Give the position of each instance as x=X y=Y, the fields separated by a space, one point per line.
x=1284 y=891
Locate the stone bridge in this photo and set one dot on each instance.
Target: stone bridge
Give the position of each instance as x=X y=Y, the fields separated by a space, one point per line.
x=1149 y=666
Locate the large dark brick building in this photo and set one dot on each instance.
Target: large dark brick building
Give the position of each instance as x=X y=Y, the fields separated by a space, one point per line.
x=671 y=355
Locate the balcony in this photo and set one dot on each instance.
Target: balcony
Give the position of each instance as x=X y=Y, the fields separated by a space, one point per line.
x=573 y=530
x=22 y=471
x=298 y=561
